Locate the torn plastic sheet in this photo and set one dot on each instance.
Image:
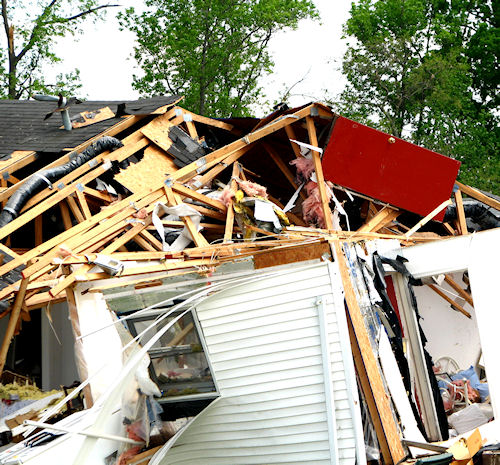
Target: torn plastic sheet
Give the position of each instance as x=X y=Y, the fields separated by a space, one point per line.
x=307 y=146
x=291 y=203
x=178 y=210
x=102 y=186
x=264 y=211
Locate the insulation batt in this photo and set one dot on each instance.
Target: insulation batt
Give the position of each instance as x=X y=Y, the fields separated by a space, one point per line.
x=226 y=195
x=312 y=210
x=252 y=189
x=305 y=168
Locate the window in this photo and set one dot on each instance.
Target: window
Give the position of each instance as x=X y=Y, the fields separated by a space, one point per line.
x=179 y=365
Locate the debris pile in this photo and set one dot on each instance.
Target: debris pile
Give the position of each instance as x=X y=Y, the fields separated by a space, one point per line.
x=166 y=192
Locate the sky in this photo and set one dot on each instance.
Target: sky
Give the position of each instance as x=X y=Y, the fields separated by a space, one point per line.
x=311 y=54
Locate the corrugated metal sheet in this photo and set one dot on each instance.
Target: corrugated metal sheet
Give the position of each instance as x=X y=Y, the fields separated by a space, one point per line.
x=264 y=343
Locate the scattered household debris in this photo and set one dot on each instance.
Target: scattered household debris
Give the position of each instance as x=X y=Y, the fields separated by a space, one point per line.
x=153 y=195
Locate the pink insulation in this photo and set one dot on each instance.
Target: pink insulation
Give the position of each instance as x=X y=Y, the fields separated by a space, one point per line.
x=252 y=189
x=226 y=195
x=312 y=210
x=305 y=167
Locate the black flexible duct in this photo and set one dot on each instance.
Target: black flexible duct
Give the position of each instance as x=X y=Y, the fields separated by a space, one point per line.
x=39 y=181
x=477 y=213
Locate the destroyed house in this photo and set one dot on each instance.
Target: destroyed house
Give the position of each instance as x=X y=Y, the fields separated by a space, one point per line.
x=298 y=288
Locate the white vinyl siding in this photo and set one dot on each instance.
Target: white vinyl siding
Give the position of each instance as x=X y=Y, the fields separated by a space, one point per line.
x=264 y=343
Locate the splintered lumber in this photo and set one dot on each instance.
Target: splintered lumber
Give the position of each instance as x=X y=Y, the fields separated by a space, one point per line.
x=450 y=300
x=56 y=241
x=192 y=194
x=292 y=254
x=174 y=199
x=75 y=209
x=61 y=194
x=478 y=195
x=381 y=219
x=368 y=371
x=210 y=160
x=13 y=320
x=462 y=223
x=319 y=173
x=221 y=166
x=162 y=267
x=463 y=293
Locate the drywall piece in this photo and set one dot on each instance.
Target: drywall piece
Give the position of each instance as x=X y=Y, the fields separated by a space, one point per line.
x=398 y=393
x=264 y=340
x=388 y=168
x=93 y=314
x=483 y=275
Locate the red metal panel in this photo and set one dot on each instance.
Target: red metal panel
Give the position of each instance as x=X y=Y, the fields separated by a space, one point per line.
x=389 y=169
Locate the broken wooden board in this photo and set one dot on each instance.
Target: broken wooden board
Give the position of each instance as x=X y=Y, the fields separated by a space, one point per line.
x=87 y=118
x=300 y=253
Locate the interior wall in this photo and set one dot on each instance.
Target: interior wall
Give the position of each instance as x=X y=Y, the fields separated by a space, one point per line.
x=449 y=332
x=58 y=354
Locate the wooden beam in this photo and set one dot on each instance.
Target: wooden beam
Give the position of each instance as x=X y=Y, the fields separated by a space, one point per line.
x=83 y=204
x=210 y=160
x=291 y=136
x=222 y=165
x=478 y=195
x=449 y=300
x=174 y=199
x=428 y=218
x=75 y=209
x=283 y=167
x=13 y=321
x=65 y=216
x=463 y=293
x=381 y=219
x=368 y=371
x=228 y=230
x=459 y=204
x=38 y=230
x=313 y=140
x=192 y=194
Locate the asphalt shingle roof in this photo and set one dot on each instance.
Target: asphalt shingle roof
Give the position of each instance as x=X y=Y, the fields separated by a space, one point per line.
x=22 y=125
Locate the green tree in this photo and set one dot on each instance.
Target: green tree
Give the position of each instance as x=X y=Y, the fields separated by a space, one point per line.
x=210 y=51
x=30 y=29
x=428 y=70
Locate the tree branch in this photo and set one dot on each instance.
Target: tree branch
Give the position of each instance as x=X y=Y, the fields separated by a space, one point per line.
x=83 y=13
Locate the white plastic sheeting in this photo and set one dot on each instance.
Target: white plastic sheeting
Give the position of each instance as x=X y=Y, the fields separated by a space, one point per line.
x=264 y=340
